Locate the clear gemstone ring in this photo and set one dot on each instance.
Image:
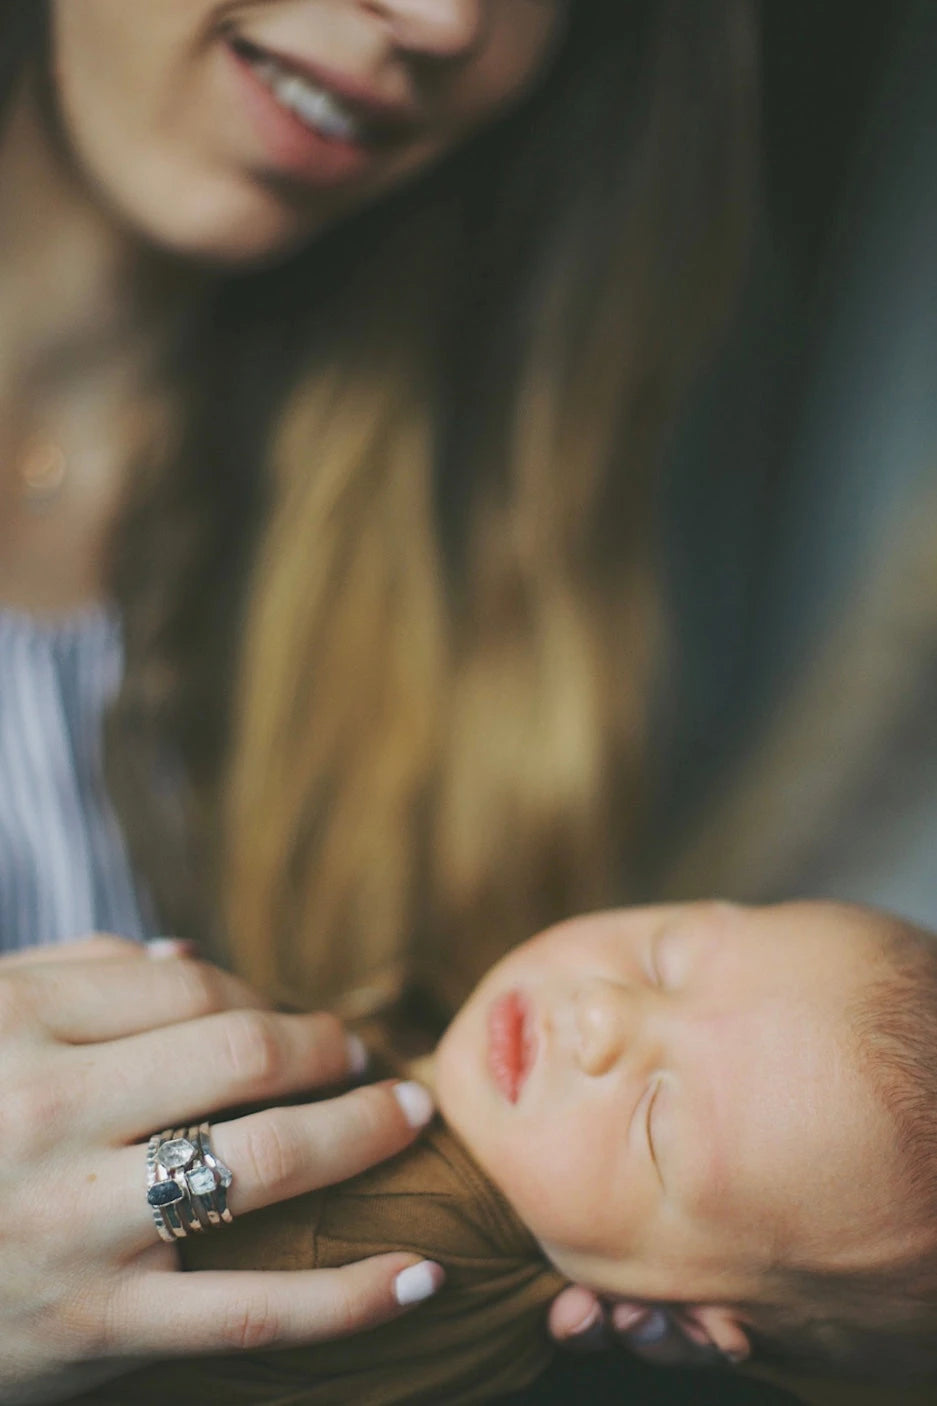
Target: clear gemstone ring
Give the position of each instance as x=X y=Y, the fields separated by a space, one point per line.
x=217 y=1194
x=186 y=1183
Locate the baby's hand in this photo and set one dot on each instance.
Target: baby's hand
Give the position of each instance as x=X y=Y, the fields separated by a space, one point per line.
x=580 y=1320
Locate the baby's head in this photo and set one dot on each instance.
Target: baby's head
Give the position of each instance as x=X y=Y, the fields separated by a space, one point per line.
x=729 y=1110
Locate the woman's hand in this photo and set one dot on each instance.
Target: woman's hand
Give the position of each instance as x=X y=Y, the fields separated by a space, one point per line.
x=579 y=1319
x=100 y=1046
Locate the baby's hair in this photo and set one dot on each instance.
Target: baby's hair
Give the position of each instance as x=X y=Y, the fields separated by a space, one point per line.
x=879 y=1323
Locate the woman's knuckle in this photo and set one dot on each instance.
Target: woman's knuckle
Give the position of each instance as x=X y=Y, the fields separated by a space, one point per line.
x=86 y=1320
x=201 y=989
x=374 y=1108
x=34 y=1115
x=270 y=1153
x=254 y=1048
x=347 y=1309
x=250 y=1324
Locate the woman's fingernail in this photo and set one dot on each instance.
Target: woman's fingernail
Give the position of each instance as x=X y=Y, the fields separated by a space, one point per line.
x=357 y=1054
x=416 y=1102
x=417 y=1283
x=161 y=947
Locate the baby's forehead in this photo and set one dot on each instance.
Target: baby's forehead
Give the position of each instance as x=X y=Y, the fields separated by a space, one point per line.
x=825 y=920
x=819 y=946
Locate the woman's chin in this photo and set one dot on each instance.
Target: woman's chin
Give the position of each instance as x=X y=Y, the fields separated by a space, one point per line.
x=229 y=249
x=227 y=231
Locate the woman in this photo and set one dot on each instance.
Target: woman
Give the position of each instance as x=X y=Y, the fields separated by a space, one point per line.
x=339 y=342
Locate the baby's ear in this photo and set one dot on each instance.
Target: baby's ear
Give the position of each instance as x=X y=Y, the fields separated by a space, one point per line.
x=711 y=1325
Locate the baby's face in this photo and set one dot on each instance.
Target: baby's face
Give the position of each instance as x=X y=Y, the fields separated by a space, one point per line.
x=671 y=1100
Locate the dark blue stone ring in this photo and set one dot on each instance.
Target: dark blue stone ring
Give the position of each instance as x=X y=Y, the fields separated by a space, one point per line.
x=186 y=1184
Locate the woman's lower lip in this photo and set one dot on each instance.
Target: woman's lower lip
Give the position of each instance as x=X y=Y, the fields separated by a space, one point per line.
x=512 y=1044
x=292 y=149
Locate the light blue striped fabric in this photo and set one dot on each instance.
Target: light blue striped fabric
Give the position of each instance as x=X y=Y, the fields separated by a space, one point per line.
x=64 y=868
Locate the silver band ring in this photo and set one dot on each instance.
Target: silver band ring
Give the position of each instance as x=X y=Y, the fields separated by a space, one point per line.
x=186 y=1183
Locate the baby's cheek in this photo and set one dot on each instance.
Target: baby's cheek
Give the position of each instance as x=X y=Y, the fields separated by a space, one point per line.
x=557 y=1189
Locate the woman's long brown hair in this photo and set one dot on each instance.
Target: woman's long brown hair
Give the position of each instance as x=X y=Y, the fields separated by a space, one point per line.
x=388 y=587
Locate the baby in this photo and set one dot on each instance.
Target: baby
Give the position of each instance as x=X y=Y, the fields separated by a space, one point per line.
x=728 y=1111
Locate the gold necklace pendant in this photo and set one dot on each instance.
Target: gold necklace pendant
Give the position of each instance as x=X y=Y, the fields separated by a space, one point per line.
x=43 y=473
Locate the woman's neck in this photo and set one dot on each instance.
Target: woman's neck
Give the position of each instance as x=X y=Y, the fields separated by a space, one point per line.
x=77 y=288
x=85 y=309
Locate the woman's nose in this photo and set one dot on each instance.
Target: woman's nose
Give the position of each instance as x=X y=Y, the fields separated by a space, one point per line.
x=442 y=29
x=607 y=1025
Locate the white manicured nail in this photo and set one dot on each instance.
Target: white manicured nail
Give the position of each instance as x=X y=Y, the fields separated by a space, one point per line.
x=357 y=1054
x=160 y=947
x=417 y=1283
x=416 y=1102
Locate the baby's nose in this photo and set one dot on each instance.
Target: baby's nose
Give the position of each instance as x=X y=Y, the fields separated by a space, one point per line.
x=606 y=1022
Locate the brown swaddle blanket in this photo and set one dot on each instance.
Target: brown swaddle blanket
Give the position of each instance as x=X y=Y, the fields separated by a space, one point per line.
x=482 y=1335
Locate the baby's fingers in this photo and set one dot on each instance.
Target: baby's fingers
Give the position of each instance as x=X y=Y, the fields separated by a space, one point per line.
x=655 y=1336
x=578 y=1319
x=216 y=1311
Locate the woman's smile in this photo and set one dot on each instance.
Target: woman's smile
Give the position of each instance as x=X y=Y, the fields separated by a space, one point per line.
x=309 y=133
x=231 y=133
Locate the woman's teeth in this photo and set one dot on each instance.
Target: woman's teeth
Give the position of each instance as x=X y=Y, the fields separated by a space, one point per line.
x=314 y=106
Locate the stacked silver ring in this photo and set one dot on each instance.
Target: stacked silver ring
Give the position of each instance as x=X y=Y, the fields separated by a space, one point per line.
x=186 y=1184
